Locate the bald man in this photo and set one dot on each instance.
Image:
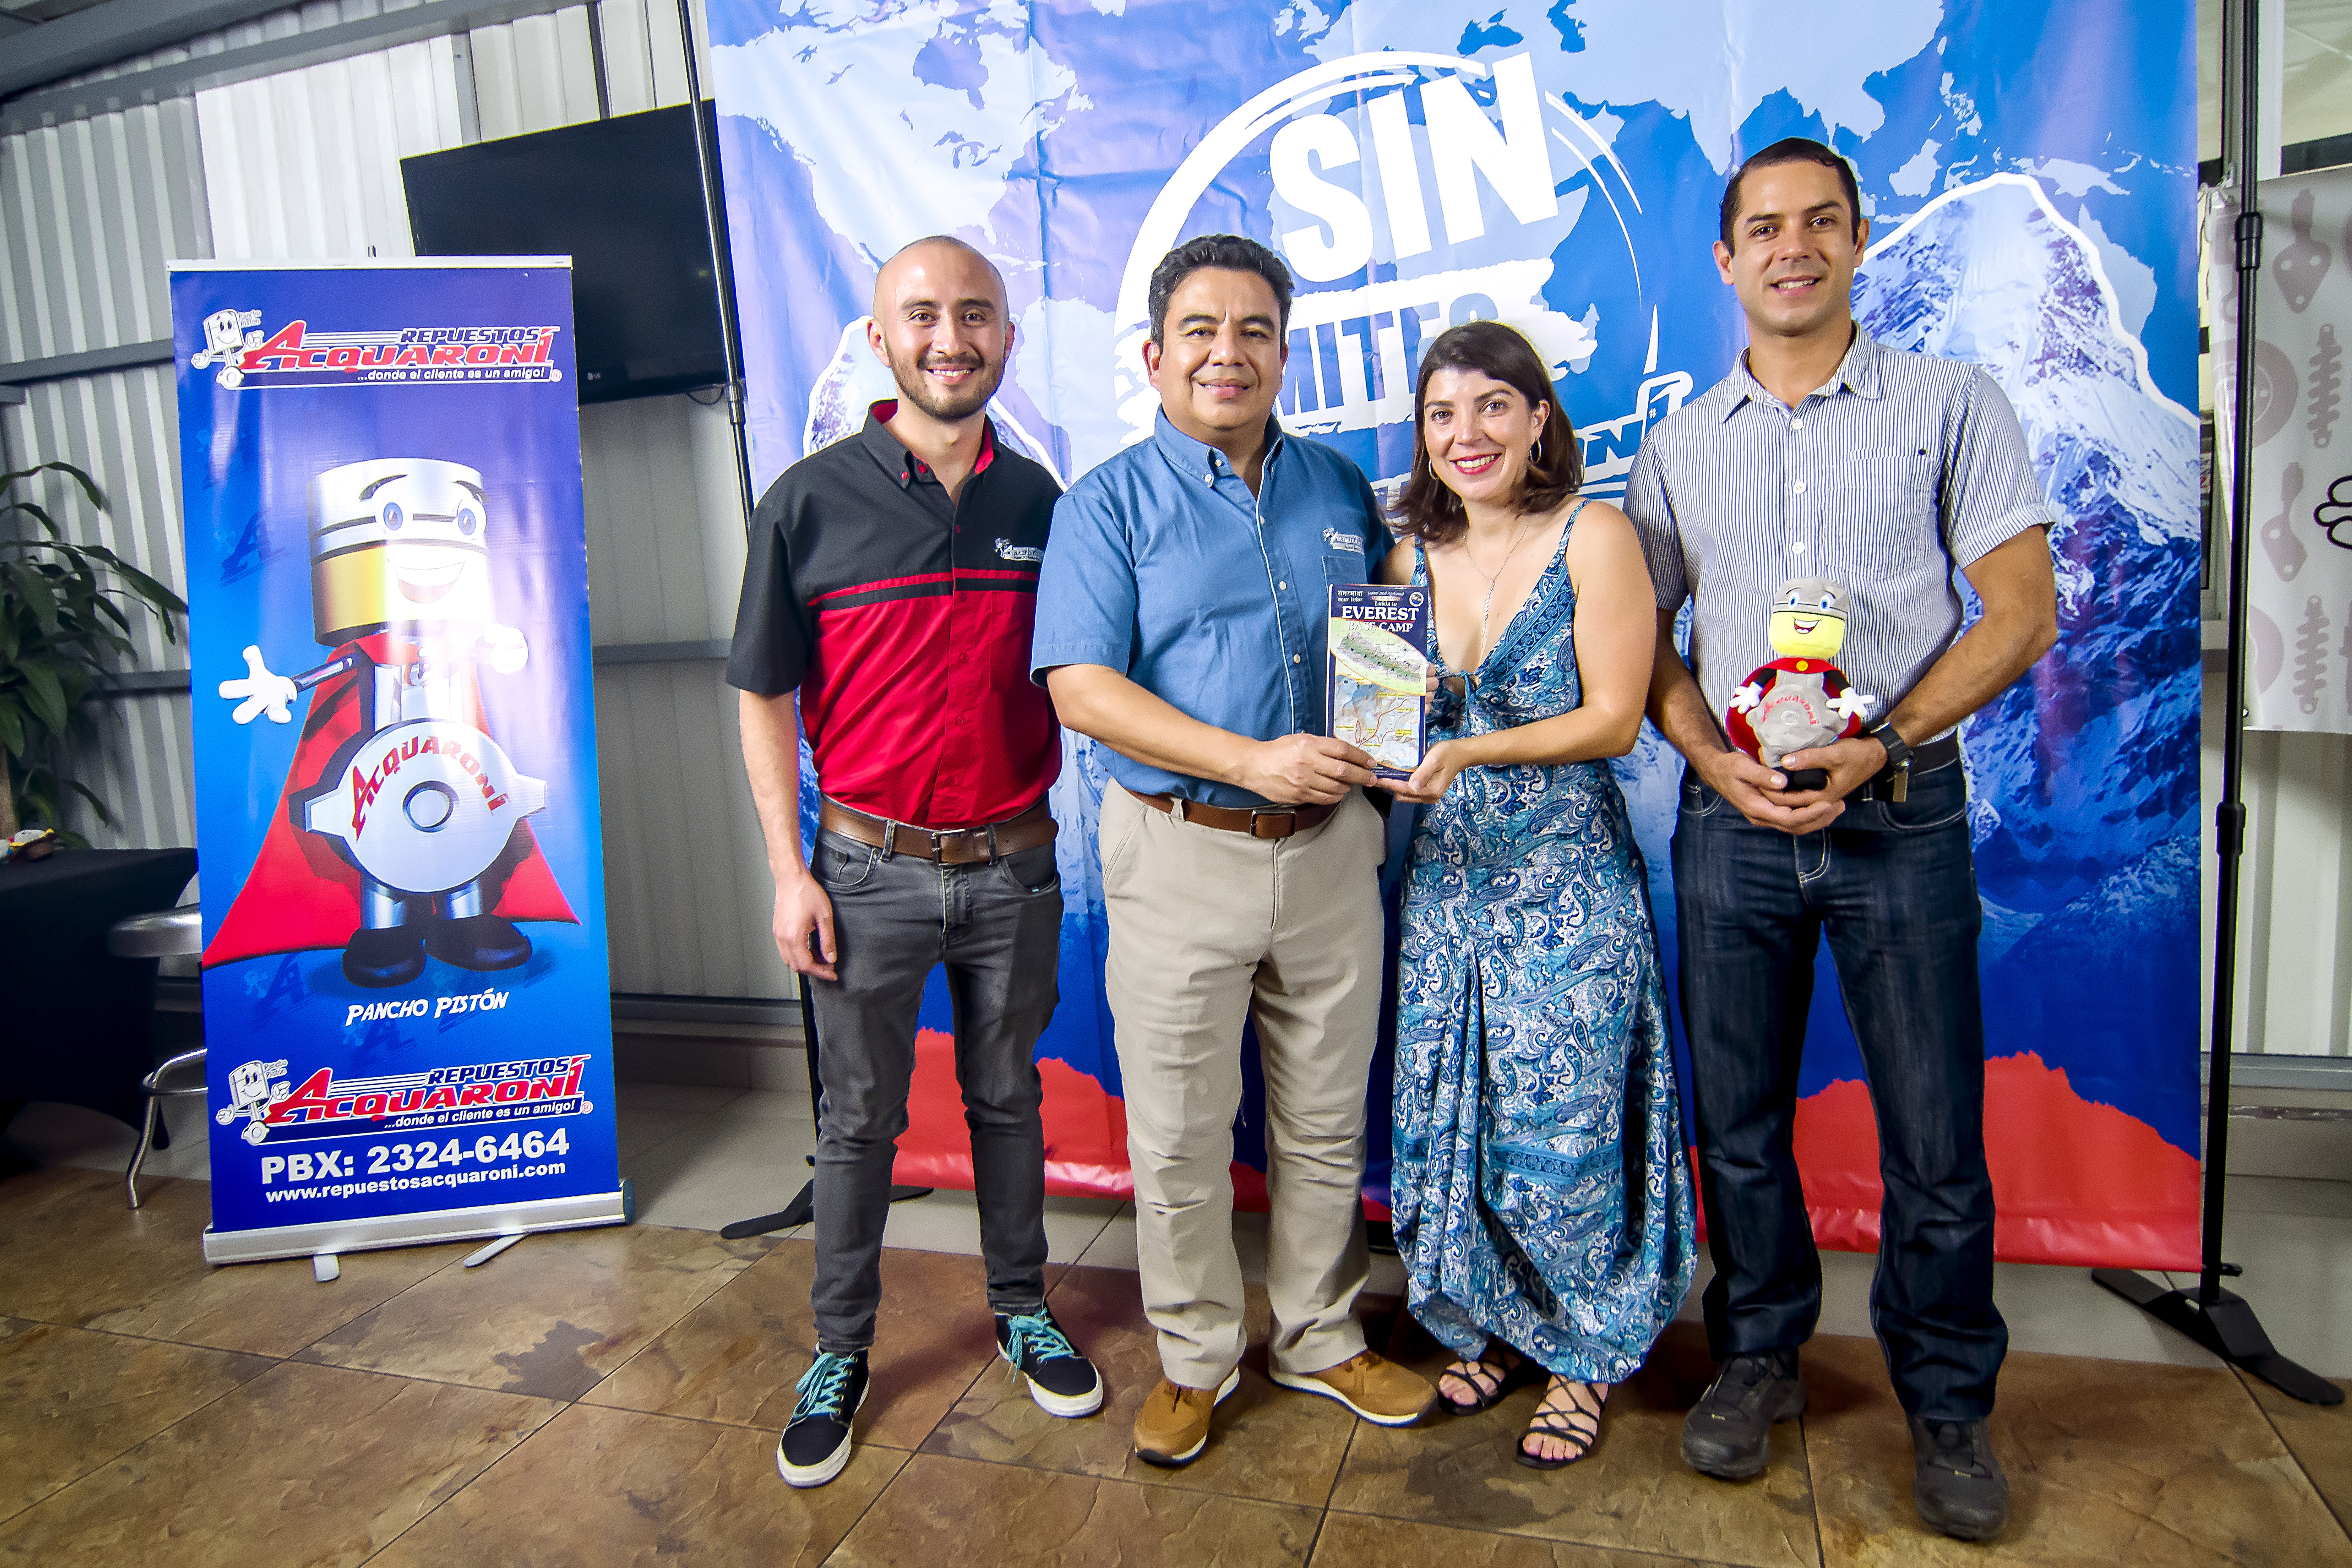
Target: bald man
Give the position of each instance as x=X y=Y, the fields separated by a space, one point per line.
x=886 y=611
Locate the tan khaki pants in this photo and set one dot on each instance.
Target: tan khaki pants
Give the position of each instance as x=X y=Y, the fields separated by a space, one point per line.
x=1207 y=928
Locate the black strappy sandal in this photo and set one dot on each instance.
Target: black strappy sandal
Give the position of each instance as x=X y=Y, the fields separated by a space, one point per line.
x=1491 y=1380
x=1576 y=1426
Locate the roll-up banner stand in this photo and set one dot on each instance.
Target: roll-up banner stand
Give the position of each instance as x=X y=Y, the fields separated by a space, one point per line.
x=405 y=999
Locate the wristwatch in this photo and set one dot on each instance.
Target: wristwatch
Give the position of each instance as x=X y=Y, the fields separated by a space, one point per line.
x=1899 y=752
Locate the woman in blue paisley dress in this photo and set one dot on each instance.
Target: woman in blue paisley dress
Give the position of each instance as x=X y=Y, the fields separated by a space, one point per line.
x=1541 y=1202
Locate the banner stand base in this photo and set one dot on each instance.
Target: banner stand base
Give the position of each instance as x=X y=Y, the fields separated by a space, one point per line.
x=2229 y=1329
x=800 y=1211
x=486 y=1223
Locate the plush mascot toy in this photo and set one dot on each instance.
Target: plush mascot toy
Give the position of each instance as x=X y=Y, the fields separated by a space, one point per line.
x=401 y=830
x=1800 y=698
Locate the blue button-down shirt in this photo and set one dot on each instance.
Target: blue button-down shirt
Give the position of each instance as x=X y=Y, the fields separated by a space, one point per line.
x=1162 y=566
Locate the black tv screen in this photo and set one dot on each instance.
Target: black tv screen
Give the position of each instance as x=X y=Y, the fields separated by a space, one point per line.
x=623 y=197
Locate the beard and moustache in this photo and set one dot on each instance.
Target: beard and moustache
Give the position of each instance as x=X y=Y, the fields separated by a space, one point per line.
x=962 y=403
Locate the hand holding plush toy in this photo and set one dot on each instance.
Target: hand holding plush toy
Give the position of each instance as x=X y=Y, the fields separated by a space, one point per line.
x=1800 y=698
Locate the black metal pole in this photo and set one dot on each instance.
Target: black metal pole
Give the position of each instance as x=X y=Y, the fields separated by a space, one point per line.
x=2229 y=817
x=2217 y=1319
x=705 y=158
x=803 y=1206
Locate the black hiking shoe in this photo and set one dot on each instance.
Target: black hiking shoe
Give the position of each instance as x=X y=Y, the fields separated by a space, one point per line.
x=1728 y=1432
x=816 y=1444
x=1061 y=1381
x=1959 y=1485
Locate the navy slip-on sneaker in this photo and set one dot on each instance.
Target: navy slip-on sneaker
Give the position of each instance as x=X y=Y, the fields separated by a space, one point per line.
x=1061 y=1381
x=816 y=1444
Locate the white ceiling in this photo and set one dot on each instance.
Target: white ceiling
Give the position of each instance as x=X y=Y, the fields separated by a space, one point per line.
x=2318 y=72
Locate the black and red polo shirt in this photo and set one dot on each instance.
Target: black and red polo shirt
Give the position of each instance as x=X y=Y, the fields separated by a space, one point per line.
x=903 y=619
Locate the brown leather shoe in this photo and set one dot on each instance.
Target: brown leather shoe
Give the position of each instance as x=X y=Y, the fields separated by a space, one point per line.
x=1371 y=1385
x=1172 y=1427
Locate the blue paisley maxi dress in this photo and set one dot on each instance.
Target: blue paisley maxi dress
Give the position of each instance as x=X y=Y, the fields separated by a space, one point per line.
x=1539 y=1191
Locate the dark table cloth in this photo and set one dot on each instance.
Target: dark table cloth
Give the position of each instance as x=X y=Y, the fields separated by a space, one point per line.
x=76 y=1022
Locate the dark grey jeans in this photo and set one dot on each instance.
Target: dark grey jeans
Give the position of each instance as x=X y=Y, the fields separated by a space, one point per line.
x=998 y=928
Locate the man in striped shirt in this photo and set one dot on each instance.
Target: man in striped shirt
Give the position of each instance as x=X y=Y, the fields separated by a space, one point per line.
x=1825 y=455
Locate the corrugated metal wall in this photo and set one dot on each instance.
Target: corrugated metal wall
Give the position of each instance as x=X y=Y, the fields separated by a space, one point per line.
x=121 y=429
x=89 y=211
x=688 y=895
x=305 y=165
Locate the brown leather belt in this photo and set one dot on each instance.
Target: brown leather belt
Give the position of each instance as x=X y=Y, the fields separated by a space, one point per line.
x=1258 y=822
x=949 y=846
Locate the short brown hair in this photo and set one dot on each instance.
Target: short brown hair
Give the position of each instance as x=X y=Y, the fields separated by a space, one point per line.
x=1428 y=513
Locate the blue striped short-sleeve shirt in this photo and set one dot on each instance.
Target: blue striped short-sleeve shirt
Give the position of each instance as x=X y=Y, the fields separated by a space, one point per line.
x=1901 y=470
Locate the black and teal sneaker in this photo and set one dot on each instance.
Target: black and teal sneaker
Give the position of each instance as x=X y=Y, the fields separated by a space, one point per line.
x=1061 y=1381
x=816 y=1444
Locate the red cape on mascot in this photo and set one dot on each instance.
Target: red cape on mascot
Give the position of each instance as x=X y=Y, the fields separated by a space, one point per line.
x=301 y=893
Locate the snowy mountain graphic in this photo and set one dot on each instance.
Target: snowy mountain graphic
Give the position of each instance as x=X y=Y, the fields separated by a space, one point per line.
x=2083 y=775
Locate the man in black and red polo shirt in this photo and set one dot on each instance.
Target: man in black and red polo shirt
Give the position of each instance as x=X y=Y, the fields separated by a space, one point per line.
x=886 y=610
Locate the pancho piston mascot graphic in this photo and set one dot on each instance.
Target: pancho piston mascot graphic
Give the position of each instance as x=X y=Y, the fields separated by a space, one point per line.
x=400 y=829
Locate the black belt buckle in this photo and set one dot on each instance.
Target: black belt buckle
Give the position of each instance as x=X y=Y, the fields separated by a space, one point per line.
x=1892 y=783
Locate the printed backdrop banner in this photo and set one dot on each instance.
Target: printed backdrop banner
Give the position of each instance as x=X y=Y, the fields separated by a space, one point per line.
x=2299 y=587
x=403 y=970
x=2030 y=170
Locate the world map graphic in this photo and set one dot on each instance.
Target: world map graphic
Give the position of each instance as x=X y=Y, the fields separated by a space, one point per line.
x=2029 y=173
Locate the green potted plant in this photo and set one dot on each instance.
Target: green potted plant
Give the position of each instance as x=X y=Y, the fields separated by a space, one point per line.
x=62 y=621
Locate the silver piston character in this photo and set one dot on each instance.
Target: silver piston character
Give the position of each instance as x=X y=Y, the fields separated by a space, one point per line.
x=421 y=803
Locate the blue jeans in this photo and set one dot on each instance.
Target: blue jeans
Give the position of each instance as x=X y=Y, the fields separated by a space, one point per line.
x=1893 y=884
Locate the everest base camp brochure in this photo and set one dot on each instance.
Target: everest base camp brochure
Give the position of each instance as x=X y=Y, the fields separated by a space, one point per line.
x=1378 y=673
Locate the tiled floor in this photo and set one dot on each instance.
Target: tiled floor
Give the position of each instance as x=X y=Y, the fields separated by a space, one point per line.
x=613 y=1396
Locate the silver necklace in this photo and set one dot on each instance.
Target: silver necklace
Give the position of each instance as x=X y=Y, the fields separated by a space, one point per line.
x=1486 y=611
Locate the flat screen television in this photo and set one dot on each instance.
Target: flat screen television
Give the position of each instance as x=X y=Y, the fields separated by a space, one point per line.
x=623 y=197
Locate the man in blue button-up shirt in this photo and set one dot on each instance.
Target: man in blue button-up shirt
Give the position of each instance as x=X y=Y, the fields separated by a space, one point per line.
x=1180 y=622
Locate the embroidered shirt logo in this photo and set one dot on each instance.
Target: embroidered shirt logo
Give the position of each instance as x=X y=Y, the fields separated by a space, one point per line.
x=1338 y=541
x=1008 y=551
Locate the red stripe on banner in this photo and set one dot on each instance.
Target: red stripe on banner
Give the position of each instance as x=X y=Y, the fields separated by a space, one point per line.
x=1085 y=1128
x=2075 y=1181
